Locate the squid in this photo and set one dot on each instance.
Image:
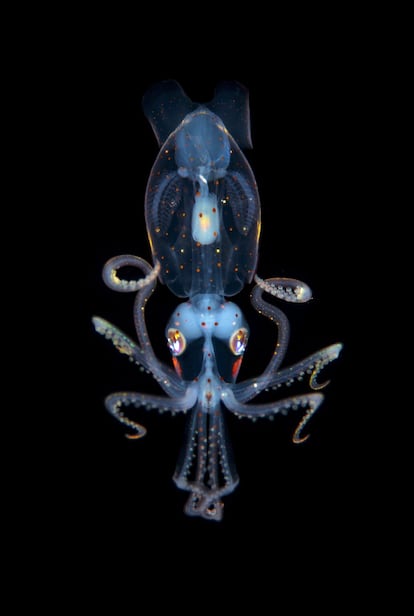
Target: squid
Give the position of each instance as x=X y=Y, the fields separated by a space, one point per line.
x=202 y=213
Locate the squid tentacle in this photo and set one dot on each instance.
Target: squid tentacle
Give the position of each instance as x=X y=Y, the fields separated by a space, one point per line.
x=206 y=468
x=310 y=366
x=164 y=375
x=252 y=387
x=254 y=411
x=145 y=286
x=112 y=280
x=114 y=403
x=287 y=289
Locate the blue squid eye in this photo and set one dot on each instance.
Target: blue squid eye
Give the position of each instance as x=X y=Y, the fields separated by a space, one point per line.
x=176 y=342
x=238 y=341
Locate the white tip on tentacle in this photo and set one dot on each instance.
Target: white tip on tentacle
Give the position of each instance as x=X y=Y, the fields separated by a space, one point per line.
x=287 y=289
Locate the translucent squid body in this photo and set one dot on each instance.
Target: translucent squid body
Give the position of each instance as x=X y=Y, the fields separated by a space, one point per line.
x=203 y=220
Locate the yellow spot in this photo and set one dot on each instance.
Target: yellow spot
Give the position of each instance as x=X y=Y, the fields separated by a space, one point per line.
x=122 y=348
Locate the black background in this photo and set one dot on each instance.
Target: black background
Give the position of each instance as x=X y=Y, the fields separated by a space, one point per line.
x=301 y=132
x=295 y=504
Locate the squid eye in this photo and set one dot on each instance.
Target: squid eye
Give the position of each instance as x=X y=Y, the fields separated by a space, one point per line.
x=238 y=341
x=176 y=342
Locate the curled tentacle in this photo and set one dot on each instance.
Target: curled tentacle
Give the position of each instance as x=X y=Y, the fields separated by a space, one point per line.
x=312 y=366
x=288 y=289
x=271 y=377
x=297 y=438
x=321 y=359
x=112 y=280
x=254 y=411
x=254 y=386
x=115 y=402
x=145 y=286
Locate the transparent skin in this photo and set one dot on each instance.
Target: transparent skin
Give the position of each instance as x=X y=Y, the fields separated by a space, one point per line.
x=203 y=220
x=202 y=209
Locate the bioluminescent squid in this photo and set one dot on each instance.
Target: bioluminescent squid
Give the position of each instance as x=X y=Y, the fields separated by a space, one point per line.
x=202 y=214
